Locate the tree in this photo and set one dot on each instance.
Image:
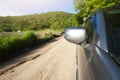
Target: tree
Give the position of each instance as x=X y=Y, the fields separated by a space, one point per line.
x=55 y=20
x=5 y=24
x=87 y=7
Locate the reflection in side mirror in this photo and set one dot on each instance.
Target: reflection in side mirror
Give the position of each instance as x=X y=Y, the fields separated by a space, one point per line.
x=75 y=35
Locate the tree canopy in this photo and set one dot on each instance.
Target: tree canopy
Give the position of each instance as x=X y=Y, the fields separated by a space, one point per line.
x=87 y=7
x=53 y=20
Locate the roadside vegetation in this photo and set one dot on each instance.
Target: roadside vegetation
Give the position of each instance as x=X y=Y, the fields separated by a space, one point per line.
x=87 y=7
x=14 y=43
x=50 y=20
x=21 y=33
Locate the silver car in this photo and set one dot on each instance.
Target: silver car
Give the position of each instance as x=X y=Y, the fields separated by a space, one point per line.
x=100 y=38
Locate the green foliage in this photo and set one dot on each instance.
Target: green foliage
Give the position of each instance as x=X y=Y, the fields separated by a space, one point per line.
x=28 y=39
x=4 y=46
x=87 y=7
x=56 y=25
x=37 y=21
x=8 y=45
x=12 y=42
x=12 y=45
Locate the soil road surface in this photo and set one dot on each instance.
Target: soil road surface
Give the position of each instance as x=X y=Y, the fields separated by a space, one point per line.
x=53 y=61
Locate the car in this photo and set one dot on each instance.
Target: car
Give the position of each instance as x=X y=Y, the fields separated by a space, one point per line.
x=100 y=38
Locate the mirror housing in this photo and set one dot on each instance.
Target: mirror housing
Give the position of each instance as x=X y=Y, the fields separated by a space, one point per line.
x=76 y=35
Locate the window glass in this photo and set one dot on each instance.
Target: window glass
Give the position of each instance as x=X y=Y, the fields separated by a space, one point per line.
x=89 y=27
x=114 y=23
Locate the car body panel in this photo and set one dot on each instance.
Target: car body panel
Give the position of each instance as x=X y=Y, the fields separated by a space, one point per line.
x=97 y=60
x=84 y=69
x=92 y=66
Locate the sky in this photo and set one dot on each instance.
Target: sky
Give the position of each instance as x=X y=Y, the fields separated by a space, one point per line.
x=24 y=7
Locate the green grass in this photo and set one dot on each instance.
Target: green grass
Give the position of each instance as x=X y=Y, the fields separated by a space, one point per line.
x=14 y=43
x=10 y=34
x=47 y=32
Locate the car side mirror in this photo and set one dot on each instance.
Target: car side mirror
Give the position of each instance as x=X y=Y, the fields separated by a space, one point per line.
x=75 y=35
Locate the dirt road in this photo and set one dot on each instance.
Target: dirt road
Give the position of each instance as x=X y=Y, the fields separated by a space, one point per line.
x=54 y=61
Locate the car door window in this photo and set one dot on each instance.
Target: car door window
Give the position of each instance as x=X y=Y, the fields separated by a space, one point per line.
x=89 y=27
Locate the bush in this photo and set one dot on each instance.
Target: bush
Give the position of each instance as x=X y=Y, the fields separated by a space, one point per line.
x=45 y=39
x=8 y=46
x=28 y=39
x=12 y=45
x=4 y=44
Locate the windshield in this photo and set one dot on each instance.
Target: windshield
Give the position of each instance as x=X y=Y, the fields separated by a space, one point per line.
x=114 y=24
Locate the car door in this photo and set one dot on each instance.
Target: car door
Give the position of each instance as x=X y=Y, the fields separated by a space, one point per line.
x=101 y=63
x=94 y=59
x=85 y=71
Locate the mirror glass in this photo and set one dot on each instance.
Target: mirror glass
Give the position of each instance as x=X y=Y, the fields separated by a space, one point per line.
x=75 y=35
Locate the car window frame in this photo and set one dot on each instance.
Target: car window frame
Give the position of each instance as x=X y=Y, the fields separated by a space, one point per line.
x=89 y=19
